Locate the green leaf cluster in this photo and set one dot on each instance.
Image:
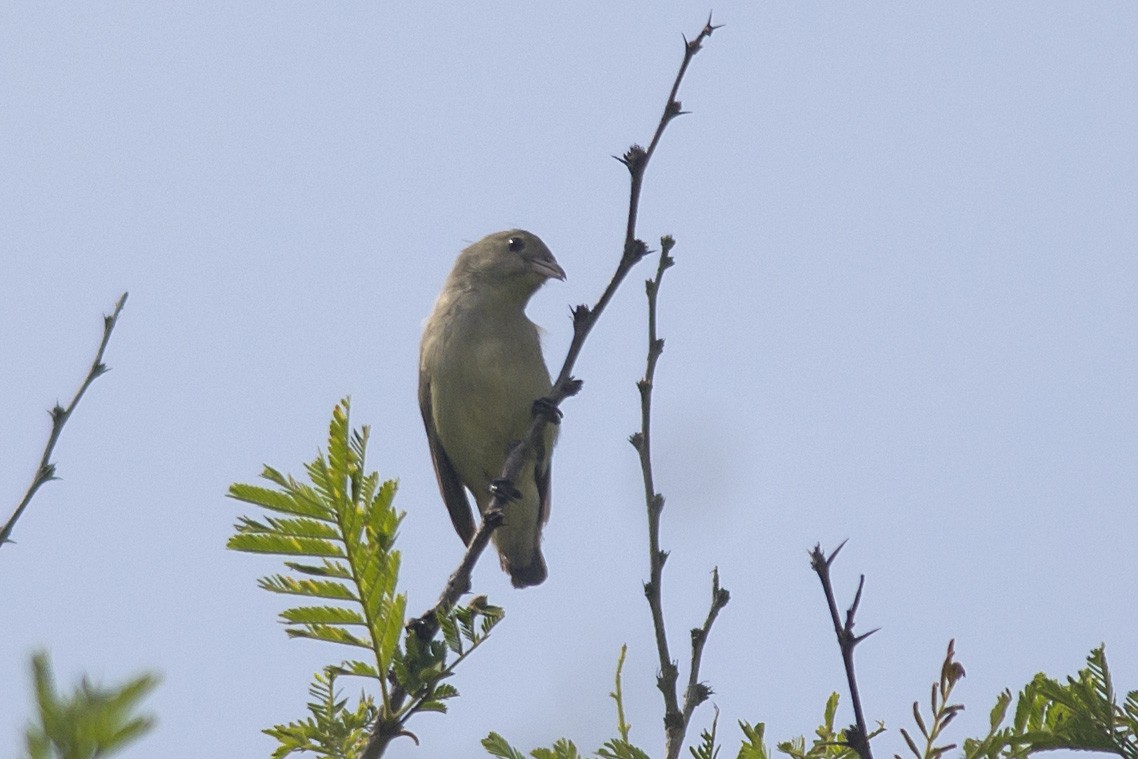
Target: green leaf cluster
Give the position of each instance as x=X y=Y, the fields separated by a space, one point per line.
x=91 y=721
x=337 y=532
x=333 y=730
x=828 y=743
x=1082 y=715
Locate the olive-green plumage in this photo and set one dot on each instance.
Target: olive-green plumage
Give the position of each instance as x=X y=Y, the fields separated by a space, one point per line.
x=480 y=370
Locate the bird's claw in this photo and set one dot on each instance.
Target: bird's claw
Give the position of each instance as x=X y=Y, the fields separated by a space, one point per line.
x=547 y=408
x=505 y=490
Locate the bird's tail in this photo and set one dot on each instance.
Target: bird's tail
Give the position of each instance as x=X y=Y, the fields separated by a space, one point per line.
x=533 y=573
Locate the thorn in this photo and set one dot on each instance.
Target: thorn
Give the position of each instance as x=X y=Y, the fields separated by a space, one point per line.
x=634 y=158
x=701 y=692
x=635 y=250
x=837 y=550
x=572 y=386
x=709 y=27
x=581 y=314
x=408 y=734
x=856 y=602
x=57 y=412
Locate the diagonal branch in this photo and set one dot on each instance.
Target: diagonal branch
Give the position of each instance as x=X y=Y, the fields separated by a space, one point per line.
x=584 y=318
x=548 y=412
x=857 y=735
x=59 y=417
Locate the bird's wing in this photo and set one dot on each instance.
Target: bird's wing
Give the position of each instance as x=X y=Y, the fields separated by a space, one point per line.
x=451 y=487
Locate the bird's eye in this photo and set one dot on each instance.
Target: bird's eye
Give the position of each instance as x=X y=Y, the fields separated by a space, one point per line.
x=516 y=244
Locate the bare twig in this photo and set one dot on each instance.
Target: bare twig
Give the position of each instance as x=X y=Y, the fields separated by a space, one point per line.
x=584 y=318
x=857 y=735
x=59 y=417
x=676 y=717
x=698 y=692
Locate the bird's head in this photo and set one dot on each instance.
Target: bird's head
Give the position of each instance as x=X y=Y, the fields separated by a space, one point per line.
x=514 y=262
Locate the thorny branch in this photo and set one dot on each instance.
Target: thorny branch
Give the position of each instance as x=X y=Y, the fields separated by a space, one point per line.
x=59 y=416
x=857 y=735
x=676 y=718
x=584 y=318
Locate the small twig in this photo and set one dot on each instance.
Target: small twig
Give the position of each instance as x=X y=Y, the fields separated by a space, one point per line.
x=857 y=735
x=59 y=417
x=584 y=318
x=698 y=692
x=642 y=442
x=676 y=717
x=622 y=726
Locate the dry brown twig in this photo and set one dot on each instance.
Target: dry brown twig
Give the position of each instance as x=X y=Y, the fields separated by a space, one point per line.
x=857 y=735
x=59 y=416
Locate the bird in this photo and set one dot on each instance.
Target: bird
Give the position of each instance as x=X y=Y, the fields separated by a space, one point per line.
x=481 y=370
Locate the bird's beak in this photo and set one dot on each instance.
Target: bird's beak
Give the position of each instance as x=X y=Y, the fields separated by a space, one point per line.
x=548 y=267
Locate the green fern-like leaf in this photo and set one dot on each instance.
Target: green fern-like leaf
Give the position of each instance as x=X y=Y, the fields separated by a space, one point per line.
x=91 y=721
x=1081 y=715
x=496 y=745
x=562 y=749
x=620 y=749
x=343 y=523
x=706 y=748
x=338 y=531
x=753 y=746
x=333 y=730
x=828 y=742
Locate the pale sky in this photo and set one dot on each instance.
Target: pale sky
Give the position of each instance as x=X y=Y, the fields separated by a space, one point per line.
x=904 y=312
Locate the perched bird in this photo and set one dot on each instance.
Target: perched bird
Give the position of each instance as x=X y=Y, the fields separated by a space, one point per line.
x=480 y=371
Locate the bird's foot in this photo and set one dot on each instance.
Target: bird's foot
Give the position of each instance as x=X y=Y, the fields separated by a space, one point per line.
x=547 y=408
x=505 y=490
